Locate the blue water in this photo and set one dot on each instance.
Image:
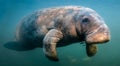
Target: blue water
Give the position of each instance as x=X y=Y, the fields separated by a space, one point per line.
x=12 y=11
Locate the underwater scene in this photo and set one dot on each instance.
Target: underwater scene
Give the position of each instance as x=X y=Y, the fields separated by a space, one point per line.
x=12 y=11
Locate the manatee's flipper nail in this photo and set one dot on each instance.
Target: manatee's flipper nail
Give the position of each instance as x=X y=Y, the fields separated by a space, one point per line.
x=52 y=58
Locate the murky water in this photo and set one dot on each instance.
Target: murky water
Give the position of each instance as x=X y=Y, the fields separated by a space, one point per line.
x=12 y=11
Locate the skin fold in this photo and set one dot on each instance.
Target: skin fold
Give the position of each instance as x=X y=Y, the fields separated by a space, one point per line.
x=60 y=26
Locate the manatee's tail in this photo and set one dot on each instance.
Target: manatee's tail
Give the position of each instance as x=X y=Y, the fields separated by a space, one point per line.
x=18 y=46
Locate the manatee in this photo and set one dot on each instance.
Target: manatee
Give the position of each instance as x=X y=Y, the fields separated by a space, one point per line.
x=61 y=26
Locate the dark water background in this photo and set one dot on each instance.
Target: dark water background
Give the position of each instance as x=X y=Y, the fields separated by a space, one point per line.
x=12 y=11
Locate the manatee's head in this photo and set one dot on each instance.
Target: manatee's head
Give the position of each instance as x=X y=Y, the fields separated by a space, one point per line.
x=93 y=27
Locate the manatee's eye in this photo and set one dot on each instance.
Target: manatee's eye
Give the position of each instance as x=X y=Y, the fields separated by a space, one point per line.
x=85 y=20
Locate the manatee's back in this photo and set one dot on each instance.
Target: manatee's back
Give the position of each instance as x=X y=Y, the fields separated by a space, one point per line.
x=34 y=27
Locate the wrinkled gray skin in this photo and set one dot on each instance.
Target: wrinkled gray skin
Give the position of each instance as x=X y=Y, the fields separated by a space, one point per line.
x=62 y=26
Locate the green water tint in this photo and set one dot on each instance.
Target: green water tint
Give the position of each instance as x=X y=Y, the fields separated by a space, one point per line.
x=13 y=11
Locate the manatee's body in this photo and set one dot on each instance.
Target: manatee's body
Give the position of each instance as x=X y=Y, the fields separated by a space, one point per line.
x=34 y=27
x=62 y=26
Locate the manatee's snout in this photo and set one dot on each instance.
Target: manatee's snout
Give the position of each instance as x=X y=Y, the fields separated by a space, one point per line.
x=93 y=27
x=100 y=35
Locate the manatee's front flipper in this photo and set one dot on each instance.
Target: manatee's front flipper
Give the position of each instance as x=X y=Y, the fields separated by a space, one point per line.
x=49 y=44
x=91 y=49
